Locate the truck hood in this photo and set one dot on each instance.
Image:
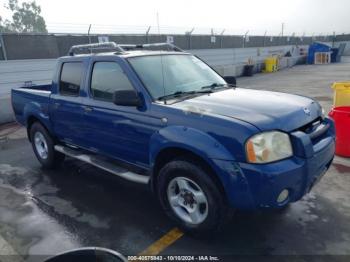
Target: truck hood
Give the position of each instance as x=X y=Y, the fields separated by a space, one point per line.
x=264 y=109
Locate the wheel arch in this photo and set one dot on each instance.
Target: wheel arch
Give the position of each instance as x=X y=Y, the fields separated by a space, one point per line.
x=169 y=154
x=191 y=139
x=176 y=141
x=31 y=119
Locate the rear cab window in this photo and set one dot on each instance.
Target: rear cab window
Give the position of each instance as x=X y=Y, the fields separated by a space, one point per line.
x=70 y=78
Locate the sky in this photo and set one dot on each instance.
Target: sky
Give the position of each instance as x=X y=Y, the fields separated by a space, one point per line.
x=235 y=17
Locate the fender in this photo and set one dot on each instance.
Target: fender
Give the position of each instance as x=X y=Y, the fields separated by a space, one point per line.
x=199 y=143
x=39 y=111
x=190 y=139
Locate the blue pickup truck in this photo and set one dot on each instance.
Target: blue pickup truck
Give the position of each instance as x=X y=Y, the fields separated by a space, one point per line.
x=167 y=119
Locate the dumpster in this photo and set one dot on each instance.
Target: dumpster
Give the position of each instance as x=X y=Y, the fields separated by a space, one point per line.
x=271 y=64
x=341 y=94
x=341 y=117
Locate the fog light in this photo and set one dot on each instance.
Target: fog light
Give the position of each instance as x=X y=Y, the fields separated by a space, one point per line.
x=283 y=196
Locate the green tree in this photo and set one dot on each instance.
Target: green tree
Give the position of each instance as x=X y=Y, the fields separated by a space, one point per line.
x=26 y=18
x=4 y=25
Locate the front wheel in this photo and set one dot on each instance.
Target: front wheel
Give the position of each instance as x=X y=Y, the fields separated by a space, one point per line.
x=191 y=198
x=43 y=146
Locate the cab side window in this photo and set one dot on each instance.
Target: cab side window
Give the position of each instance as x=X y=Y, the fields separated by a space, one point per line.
x=70 y=79
x=108 y=77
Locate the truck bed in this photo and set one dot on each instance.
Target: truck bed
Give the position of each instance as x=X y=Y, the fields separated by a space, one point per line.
x=33 y=99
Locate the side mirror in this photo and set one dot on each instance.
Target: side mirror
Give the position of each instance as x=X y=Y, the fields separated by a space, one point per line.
x=89 y=254
x=230 y=80
x=126 y=98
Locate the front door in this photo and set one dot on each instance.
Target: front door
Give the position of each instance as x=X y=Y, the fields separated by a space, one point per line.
x=121 y=132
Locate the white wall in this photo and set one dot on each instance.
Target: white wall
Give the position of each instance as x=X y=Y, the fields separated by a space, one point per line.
x=231 y=61
x=228 y=56
x=347 y=47
x=14 y=73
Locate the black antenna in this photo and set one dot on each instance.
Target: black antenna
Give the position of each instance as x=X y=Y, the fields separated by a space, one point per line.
x=89 y=38
x=161 y=58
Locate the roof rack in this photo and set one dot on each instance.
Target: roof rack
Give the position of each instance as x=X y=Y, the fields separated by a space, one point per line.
x=168 y=46
x=121 y=48
x=94 y=48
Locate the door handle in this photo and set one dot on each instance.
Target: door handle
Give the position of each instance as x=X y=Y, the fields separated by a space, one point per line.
x=87 y=109
x=56 y=105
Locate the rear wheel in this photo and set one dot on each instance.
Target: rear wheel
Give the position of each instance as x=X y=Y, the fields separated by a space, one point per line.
x=43 y=146
x=191 y=198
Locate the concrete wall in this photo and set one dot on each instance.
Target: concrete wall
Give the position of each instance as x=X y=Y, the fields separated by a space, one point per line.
x=230 y=61
x=14 y=73
x=229 y=56
x=347 y=47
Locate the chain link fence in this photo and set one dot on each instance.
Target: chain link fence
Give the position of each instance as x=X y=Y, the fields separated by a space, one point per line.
x=41 y=46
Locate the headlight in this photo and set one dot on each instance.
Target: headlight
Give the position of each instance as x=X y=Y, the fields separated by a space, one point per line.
x=268 y=147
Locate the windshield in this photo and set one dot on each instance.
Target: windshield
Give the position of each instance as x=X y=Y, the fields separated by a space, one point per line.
x=168 y=74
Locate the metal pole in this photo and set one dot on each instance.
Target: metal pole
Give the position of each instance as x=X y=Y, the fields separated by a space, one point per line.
x=264 y=38
x=221 y=37
x=282 y=29
x=89 y=34
x=212 y=34
x=245 y=36
x=279 y=39
x=2 y=44
x=189 y=33
x=147 y=32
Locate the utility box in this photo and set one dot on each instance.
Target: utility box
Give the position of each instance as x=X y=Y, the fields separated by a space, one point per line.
x=271 y=64
x=341 y=94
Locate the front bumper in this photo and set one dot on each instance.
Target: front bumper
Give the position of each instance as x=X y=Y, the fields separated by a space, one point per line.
x=251 y=186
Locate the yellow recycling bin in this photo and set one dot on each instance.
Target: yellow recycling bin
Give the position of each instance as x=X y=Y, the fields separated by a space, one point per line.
x=341 y=94
x=271 y=64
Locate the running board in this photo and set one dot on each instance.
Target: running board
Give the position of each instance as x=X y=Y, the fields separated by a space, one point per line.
x=107 y=166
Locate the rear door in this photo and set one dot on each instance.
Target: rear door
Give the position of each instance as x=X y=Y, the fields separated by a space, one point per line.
x=66 y=108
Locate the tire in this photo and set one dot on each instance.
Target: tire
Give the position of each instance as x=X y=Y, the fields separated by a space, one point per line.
x=213 y=211
x=43 y=146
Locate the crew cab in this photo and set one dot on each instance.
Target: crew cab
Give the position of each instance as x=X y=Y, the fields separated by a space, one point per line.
x=167 y=119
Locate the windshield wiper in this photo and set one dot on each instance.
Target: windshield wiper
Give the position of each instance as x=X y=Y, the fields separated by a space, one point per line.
x=204 y=90
x=216 y=85
x=184 y=93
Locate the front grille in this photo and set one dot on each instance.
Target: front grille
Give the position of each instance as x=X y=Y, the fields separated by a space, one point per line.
x=308 y=128
x=316 y=129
